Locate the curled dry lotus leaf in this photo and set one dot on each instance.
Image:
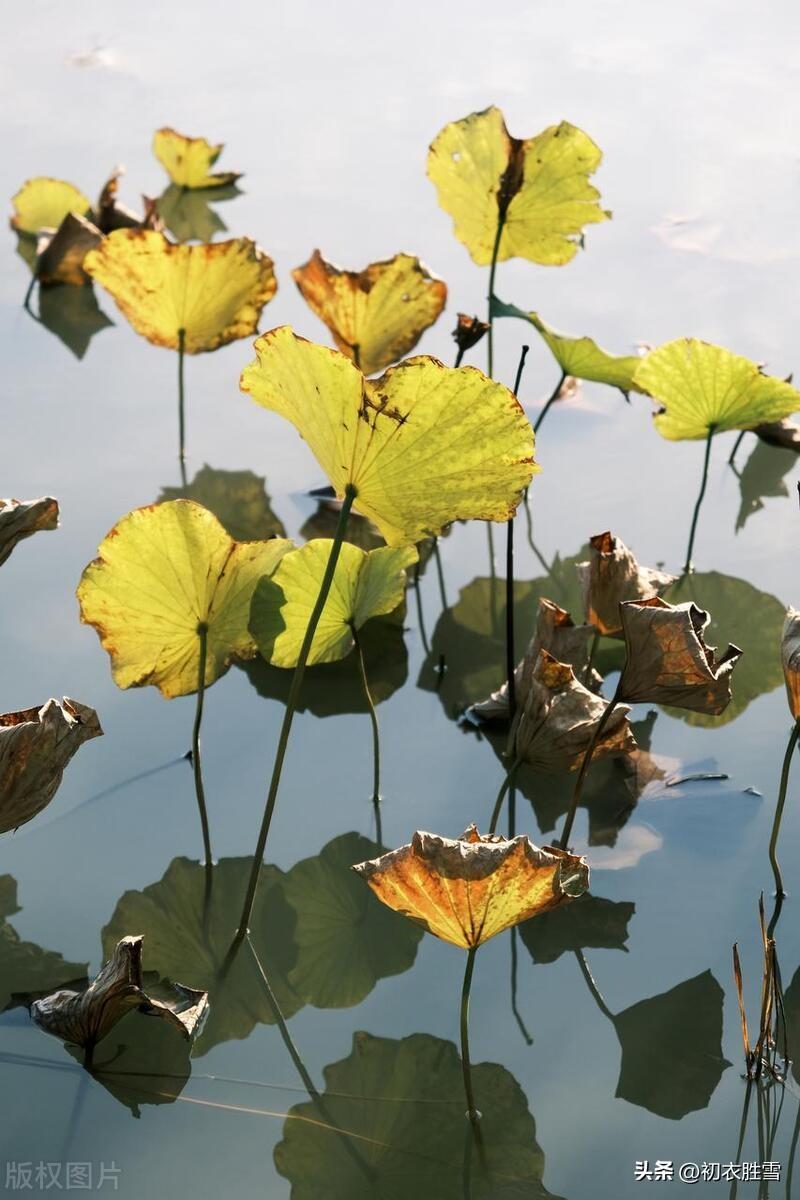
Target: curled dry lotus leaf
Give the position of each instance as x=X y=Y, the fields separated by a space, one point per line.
x=42 y=203
x=213 y=293
x=84 y=1018
x=35 y=746
x=238 y=499
x=783 y=433
x=162 y=573
x=20 y=518
x=612 y=575
x=377 y=315
x=556 y=633
x=27 y=971
x=364 y=586
x=111 y=214
x=188 y=160
x=60 y=257
x=468 y=889
x=469 y=331
x=541 y=186
x=578 y=357
x=559 y=717
x=424 y=445
x=699 y=386
x=668 y=661
x=790 y=657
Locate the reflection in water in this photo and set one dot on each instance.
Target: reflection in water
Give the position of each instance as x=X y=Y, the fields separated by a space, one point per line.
x=72 y=314
x=590 y=922
x=400 y=1103
x=28 y=972
x=763 y=476
x=323 y=522
x=238 y=499
x=188 y=214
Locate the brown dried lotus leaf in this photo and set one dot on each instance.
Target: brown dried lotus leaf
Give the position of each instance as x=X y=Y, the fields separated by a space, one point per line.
x=465 y=890
x=469 y=331
x=20 y=518
x=612 y=575
x=785 y=434
x=84 y=1018
x=668 y=661
x=35 y=746
x=790 y=658
x=559 y=716
x=60 y=257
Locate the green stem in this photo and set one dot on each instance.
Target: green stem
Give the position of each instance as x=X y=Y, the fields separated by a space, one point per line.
x=776 y=824
x=511 y=659
x=688 y=565
x=587 y=758
x=181 y=405
x=587 y=674
x=549 y=402
x=466 y=1066
x=501 y=795
x=288 y=717
x=420 y=615
x=501 y=220
x=202 y=633
x=736 y=445
x=460 y=355
x=376 y=741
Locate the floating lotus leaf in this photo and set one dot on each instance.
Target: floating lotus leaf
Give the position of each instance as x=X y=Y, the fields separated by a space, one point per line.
x=364 y=586
x=35 y=746
x=214 y=294
x=188 y=160
x=26 y=970
x=20 y=518
x=763 y=476
x=346 y=940
x=42 y=203
x=578 y=357
x=591 y=923
x=672 y=1048
x=424 y=445
x=398 y=1101
x=182 y=944
x=85 y=1018
x=467 y=890
x=73 y=315
x=323 y=522
x=790 y=658
x=162 y=572
x=189 y=216
x=238 y=499
x=376 y=316
x=611 y=575
x=60 y=257
x=699 y=387
x=541 y=186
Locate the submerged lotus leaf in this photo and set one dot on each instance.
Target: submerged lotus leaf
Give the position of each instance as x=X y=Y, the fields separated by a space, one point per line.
x=189 y=216
x=424 y=445
x=182 y=942
x=213 y=294
x=559 y=717
x=20 y=518
x=541 y=184
x=162 y=573
x=346 y=940
x=26 y=970
x=610 y=575
x=700 y=387
x=668 y=661
x=578 y=357
x=466 y=890
x=364 y=586
x=35 y=746
x=591 y=923
x=790 y=658
x=390 y=1124
x=60 y=257
x=238 y=499
x=188 y=160
x=376 y=315
x=85 y=1018
x=42 y=203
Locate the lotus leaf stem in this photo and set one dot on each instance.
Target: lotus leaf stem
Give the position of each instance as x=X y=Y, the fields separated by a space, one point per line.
x=776 y=824
x=376 y=740
x=688 y=567
x=549 y=402
x=466 y=1066
x=181 y=407
x=202 y=635
x=587 y=758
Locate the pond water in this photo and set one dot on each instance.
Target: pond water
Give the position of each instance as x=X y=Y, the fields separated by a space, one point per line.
x=328 y=111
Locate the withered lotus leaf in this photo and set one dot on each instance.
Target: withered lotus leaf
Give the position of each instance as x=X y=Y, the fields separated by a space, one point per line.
x=110 y=214
x=469 y=331
x=785 y=434
x=20 y=518
x=790 y=657
x=559 y=717
x=465 y=890
x=423 y=446
x=60 y=257
x=376 y=315
x=540 y=185
x=668 y=661
x=35 y=746
x=42 y=203
x=163 y=572
x=188 y=160
x=211 y=294
x=611 y=575
x=84 y=1018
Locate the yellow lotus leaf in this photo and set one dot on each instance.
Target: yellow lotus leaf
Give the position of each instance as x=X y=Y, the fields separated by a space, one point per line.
x=540 y=186
x=466 y=890
x=790 y=658
x=364 y=586
x=214 y=293
x=423 y=446
x=699 y=387
x=188 y=160
x=376 y=315
x=42 y=203
x=162 y=573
